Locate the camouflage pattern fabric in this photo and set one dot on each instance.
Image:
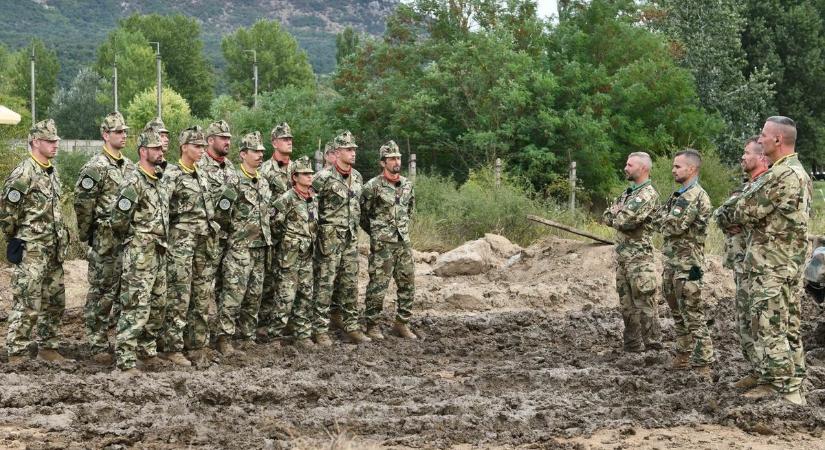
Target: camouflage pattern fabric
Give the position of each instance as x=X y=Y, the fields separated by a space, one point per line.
x=386 y=211
x=776 y=209
x=631 y=215
x=277 y=176
x=190 y=268
x=683 y=222
x=95 y=192
x=141 y=218
x=296 y=226
x=30 y=211
x=336 y=250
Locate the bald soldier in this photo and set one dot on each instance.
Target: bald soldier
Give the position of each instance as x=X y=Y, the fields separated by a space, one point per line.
x=776 y=210
x=37 y=241
x=95 y=195
x=683 y=222
x=631 y=215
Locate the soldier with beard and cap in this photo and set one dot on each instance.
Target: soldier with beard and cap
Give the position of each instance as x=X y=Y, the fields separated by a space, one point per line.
x=140 y=219
x=37 y=241
x=242 y=274
x=95 y=195
x=276 y=172
x=631 y=215
x=387 y=206
x=157 y=125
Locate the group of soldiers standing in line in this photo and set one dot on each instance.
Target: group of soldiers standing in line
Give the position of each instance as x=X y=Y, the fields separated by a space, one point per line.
x=273 y=245
x=765 y=222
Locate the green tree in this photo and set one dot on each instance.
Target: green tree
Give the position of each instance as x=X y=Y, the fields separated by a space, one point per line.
x=346 y=42
x=181 y=47
x=281 y=62
x=135 y=63
x=174 y=108
x=46 y=69
x=79 y=110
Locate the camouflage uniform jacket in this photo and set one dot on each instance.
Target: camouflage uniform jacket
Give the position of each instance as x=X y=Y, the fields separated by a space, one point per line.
x=141 y=210
x=296 y=220
x=220 y=177
x=386 y=209
x=776 y=209
x=30 y=207
x=338 y=199
x=190 y=206
x=276 y=176
x=735 y=244
x=251 y=213
x=96 y=191
x=684 y=224
x=633 y=218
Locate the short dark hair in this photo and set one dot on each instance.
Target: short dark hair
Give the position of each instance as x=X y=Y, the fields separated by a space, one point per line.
x=692 y=155
x=751 y=140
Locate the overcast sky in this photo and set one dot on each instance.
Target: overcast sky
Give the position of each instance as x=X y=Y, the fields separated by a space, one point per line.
x=547 y=8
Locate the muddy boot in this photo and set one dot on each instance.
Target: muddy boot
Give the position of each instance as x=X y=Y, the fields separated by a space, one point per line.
x=796 y=397
x=357 y=337
x=374 y=332
x=151 y=362
x=103 y=358
x=747 y=382
x=245 y=345
x=681 y=361
x=761 y=391
x=225 y=346
x=198 y=358
x=177 y=359
x=16 y=360
x=262 y=333
x=131 y=372
x=403 y=331
x=304 y=344
x=705 y=372
x=336 y=321
x=322 y=340
x=51 y=355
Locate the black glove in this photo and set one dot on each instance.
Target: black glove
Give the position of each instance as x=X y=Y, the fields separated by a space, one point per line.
x=14 y=250
x=695 y=273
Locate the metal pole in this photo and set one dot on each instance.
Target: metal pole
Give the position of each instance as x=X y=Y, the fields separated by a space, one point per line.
x=319 y=158
x=159 y=88
x=572 y=186
x=114 y=83
x=412 y=168
x=498 y=173
x=254 y=77
x=32 y=86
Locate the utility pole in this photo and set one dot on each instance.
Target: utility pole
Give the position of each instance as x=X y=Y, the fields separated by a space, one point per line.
x=114 y=82
x=32 y=93
x=254 y=77
x=157 y=64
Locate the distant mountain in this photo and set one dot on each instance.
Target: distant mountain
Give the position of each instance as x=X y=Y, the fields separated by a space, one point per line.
x=75 y=28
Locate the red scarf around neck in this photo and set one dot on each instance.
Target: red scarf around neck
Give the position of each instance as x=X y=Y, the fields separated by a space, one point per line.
x=392 y=177
x=303 y=194
x=342 y=171
x=281 y=162
x=219 y=159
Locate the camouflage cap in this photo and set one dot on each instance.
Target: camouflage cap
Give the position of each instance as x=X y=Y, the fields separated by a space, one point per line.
x=113 y=122
x=301 y=165
x=219 y=128
x=344 y=140
x=281 y=130
x=329 y=148
x=252 y=141
x=44 y=130
x=192 y=135
x=149 y=138
x=389 y=150
x=157 y=125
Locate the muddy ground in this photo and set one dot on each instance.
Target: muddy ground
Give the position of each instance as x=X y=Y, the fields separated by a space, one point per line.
x=524 y=356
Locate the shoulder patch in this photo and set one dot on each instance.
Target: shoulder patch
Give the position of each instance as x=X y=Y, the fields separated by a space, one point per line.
x=91 y=172
x=87 y=183
x=124 y=204
x=14 y=195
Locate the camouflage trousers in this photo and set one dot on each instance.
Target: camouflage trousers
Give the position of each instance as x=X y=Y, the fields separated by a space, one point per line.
x=636 y=284
x=242 y=280
x=776 y=317
x=684 y=297
x=267 y=314
x=190 y=272
x=143 y=300
x=39 y=299
x=293 y=302
x=105 y=267
x=390 y=260
x=744 y=323
x=335 y=278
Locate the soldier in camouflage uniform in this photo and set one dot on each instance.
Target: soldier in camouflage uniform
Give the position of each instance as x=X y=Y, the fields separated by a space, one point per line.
x=157 y=125
x=336 y=253
x=95 y=195
x=190 y=268
x=218 y=171
x=276 y=172
x=329 y=155
x=140 y=219
x=294 y=229
x=37 y=240
x=776 y=209
x=248 y=248
x=387 y=205
x=755 y=165
x=632 y=216
x=683 y=222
